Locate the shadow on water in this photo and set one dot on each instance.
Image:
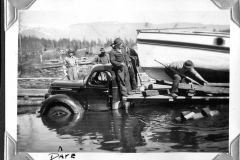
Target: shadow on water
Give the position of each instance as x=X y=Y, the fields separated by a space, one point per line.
x=141 y=129
x=111 y=130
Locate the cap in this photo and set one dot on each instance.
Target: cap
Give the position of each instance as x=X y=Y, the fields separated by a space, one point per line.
x=70 y=51
x=117 y=41
x=102 y=50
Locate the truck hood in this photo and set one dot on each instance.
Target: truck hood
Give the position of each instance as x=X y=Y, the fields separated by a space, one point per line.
x=68 y=84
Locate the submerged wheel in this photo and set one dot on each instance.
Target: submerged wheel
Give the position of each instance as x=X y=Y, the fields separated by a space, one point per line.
x=59 y=113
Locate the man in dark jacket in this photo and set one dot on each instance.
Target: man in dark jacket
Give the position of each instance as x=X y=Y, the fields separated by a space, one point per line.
x=185 y=68
x=135 y=64
x=102 y=58
x=119 y=60
x=131 y=72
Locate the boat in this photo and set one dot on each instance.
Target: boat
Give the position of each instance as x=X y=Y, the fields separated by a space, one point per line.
x=209 y=51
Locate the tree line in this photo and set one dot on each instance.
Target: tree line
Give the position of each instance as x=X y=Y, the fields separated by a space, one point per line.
x=33 y=50
x=33 y=44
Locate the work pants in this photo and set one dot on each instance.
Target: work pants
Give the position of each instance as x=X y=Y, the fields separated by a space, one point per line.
x=132 y=76
x=123 y=80
x=127 y=79
x=176 y=79
x=134 y=64
x=72 y=73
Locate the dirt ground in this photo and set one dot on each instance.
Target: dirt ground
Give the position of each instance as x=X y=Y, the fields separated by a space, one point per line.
x=38 y=74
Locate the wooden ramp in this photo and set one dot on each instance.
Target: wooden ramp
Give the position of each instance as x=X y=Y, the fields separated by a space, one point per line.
x=36 y=96
x=167 y=98
x=160 y=93
x=211 y=88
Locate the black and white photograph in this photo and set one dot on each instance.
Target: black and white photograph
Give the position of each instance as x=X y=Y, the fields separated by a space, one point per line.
x=123 y=77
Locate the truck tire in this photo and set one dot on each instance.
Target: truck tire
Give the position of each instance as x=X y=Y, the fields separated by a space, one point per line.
x=59 y=113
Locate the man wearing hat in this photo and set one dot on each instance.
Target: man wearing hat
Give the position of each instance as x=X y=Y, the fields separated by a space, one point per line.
x=186 y=68
x=119 y=59
x=102 y=58
x=70 y=67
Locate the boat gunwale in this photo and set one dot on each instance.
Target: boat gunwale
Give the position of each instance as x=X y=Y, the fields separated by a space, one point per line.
x=191 y=34
x=184 y=45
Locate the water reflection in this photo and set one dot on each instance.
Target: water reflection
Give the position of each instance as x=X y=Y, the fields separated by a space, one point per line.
x=115 y=130
x=140 y=129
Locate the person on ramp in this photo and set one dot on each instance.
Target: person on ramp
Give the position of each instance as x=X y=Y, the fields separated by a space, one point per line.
x=118 y=60
x=185 y=68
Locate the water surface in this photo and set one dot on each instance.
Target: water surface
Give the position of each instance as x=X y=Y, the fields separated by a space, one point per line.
x=150 y=128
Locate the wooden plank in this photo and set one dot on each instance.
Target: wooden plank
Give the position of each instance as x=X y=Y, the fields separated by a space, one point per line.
x=207 y=89
x=205 y=112
x=60 y=65
x=29 y=102
x=49 y=66
x=218 y=84
x=148 y=93
x=164 y=82
x=209 y=84
x=32 y=92
x=211 y=88
x=167 y=97
x=36 y=78
x=159 y=87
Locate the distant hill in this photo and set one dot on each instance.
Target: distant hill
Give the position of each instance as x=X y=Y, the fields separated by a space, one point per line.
x=104 y=30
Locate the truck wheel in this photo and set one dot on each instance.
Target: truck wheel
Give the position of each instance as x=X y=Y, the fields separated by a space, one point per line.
x=59 y=113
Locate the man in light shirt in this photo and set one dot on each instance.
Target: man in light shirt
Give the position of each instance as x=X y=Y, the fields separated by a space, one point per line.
x=70 y=66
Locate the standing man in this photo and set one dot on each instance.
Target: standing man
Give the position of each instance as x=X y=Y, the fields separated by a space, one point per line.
x=133 y=71
x=70 y=67
x=118 y=60
x=186 y=68
x=102 y=58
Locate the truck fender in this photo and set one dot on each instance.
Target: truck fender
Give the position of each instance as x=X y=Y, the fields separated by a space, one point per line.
x=73 y=105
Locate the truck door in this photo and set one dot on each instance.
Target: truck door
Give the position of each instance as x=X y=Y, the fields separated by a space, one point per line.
x=97 y=91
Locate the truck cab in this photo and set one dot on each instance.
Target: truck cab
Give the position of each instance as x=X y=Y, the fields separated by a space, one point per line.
x=97 y=91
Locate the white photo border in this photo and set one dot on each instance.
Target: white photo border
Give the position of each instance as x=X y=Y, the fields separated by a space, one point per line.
x=11 y=52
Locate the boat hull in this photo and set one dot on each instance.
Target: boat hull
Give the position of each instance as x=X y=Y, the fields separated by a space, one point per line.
x=211 y=60
x=158 y=73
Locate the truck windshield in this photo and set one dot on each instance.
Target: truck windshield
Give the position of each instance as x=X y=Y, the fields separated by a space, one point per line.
x=98 y=78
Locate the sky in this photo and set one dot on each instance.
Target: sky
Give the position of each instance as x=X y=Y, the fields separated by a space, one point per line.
x=62 y=13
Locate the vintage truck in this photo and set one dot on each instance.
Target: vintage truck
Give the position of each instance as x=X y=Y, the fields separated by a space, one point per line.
x=97 y=91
